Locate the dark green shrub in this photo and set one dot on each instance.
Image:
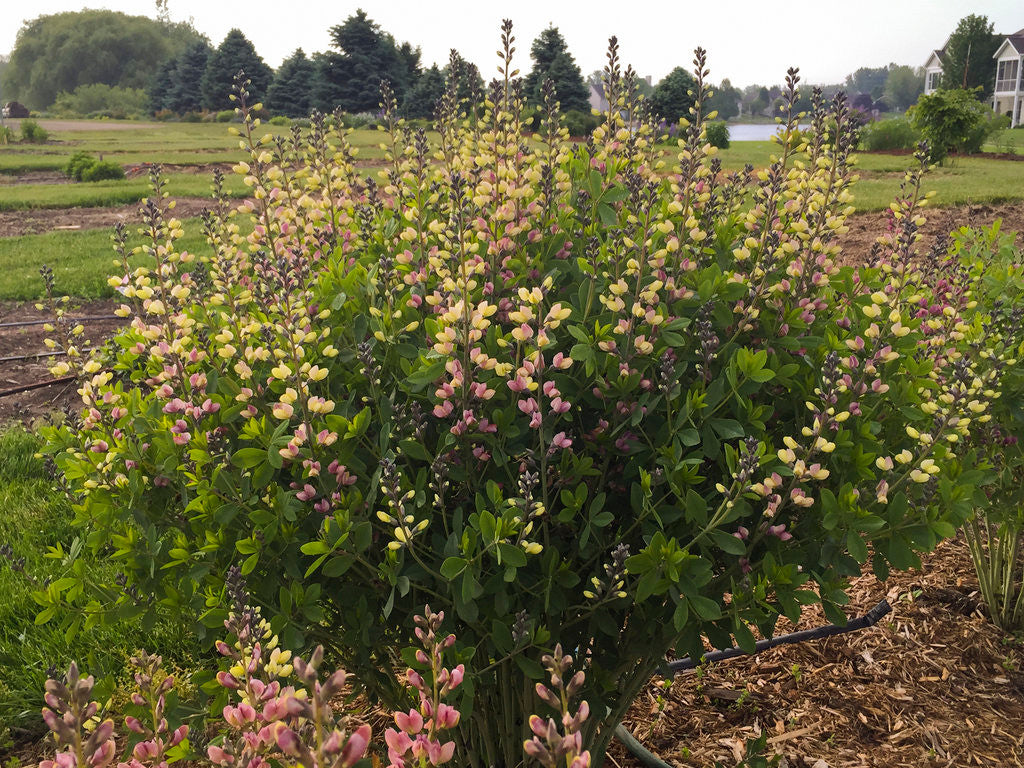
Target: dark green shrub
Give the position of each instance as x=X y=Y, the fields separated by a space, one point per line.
x=226 y=116
x=102 y=170
x=718 y=134
x=192 y=117
x=580 y=123
x=78 y=163
x=279 y=120
x=7 y=136
x=896 y=133
x=33 y=133
x=625 y=424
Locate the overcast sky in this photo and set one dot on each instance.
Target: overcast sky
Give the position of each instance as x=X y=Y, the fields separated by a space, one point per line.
x=748 y=40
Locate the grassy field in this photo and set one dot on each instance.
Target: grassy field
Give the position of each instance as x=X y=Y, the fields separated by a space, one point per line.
x=136 y=143
x=102 y=194
x=81 y=261
x=35 y=518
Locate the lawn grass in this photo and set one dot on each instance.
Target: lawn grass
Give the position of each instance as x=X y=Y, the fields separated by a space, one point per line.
x=169 y=143
x=81 y=261
x=35 y=517
x=21 y=197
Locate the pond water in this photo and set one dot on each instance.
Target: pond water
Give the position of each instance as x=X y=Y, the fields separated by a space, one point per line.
x=753 y=131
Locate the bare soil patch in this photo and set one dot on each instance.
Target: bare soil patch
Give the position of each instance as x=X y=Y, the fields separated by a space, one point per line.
x=47 y=402
x=865 y=228
x=932 y=684
x=34 y=177
x=88 y=125
x=36 y=221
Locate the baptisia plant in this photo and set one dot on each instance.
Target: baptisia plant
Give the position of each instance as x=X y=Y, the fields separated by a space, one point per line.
x=604 y=396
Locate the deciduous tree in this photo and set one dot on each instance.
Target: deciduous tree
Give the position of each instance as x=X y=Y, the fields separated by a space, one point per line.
x=62 y=51
x=673 y=95
x=969 y=52
x=904 y=85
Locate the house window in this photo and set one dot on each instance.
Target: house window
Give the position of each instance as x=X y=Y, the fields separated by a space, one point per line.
x=1006 y=75
x=932 y=83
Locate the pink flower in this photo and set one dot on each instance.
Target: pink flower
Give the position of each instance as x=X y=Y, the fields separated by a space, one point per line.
x=560 y=441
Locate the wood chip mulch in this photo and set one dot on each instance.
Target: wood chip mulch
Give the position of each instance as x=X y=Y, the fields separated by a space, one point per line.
x=932 y=684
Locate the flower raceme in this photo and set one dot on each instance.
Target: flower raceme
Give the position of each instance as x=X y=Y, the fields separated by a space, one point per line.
x=503 y=367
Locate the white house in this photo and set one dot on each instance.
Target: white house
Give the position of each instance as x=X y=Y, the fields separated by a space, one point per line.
x=1008 y=94
x=933 y=70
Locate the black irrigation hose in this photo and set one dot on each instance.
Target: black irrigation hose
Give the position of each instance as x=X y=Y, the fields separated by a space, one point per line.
x=869 y=619
x=40 y=355
x=75 y=320
x=37 y=385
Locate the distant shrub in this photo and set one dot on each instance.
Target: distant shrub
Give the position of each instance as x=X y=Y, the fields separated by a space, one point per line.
x=101 y=100
x=279 y=120
x=163 y=115
x=225 y=116
x=718 y=134
x=953 y=121
x=302 y=122
x=7 y=136
x=102 y=170
x=896 y=133
x=78 y=163
x=580 y=123
x=33 y=133
x=192 y=117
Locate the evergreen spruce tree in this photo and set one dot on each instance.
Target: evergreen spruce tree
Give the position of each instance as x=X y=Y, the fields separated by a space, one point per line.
x=552 y=60
x=291 y=91
x=350 y=76
x=234 y=54
x=185 y=93
x=162 y=85
x=421 y=98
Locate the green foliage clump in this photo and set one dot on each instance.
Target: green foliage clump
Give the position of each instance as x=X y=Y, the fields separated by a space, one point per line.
x=77 y=164
x=7 y=135
x=98 y=98
x=569 y=399
x=103 y=170
x=725 y=100
x=717 y=134
x=953 y=121
x=894 y=133
x=903 y=86
x=279 y=120
x=235 y=54
x=59 y=52
x=995 y=534
x=579 y=123
x=673 y=95
x=185 y=90
x=227 y=116
x=84 y=166
x=33 y=133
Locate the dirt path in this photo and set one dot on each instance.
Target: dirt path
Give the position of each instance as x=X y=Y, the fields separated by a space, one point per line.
x=33 y=222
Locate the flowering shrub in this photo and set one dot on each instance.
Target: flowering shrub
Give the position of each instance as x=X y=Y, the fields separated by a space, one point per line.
x=571 y=395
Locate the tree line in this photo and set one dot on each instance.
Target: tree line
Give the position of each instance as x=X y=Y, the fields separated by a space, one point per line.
x=179 y=70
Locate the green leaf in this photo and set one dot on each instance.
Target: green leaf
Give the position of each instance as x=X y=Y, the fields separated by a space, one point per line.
x=705 y=607
x=857 y=548
x=453 y=566
x=531 y=668
x=511 y=555
x=728 y=543
x=246 y=458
